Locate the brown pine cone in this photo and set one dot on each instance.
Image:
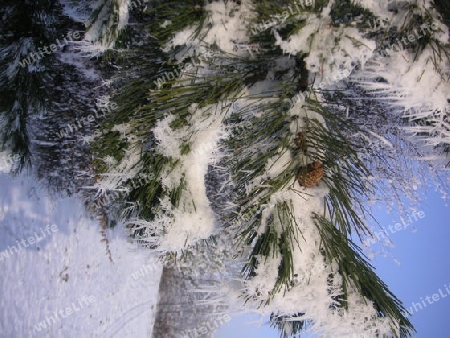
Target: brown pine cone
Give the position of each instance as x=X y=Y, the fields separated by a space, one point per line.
x=311 y=175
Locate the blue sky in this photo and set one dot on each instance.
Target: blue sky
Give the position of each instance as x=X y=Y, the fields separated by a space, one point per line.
x=423 y=252
x=424 y=267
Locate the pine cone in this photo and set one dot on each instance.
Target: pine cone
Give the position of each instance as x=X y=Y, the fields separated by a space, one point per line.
x=300 y=141
x=311 y=175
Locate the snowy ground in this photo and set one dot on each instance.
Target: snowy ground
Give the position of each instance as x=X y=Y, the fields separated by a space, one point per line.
x=65 y=285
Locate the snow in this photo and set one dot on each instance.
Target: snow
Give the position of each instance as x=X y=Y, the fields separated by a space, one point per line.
x=76 y=10
x=224 y=30
x=97 y=33
x=68 y=270
x=194 y=219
